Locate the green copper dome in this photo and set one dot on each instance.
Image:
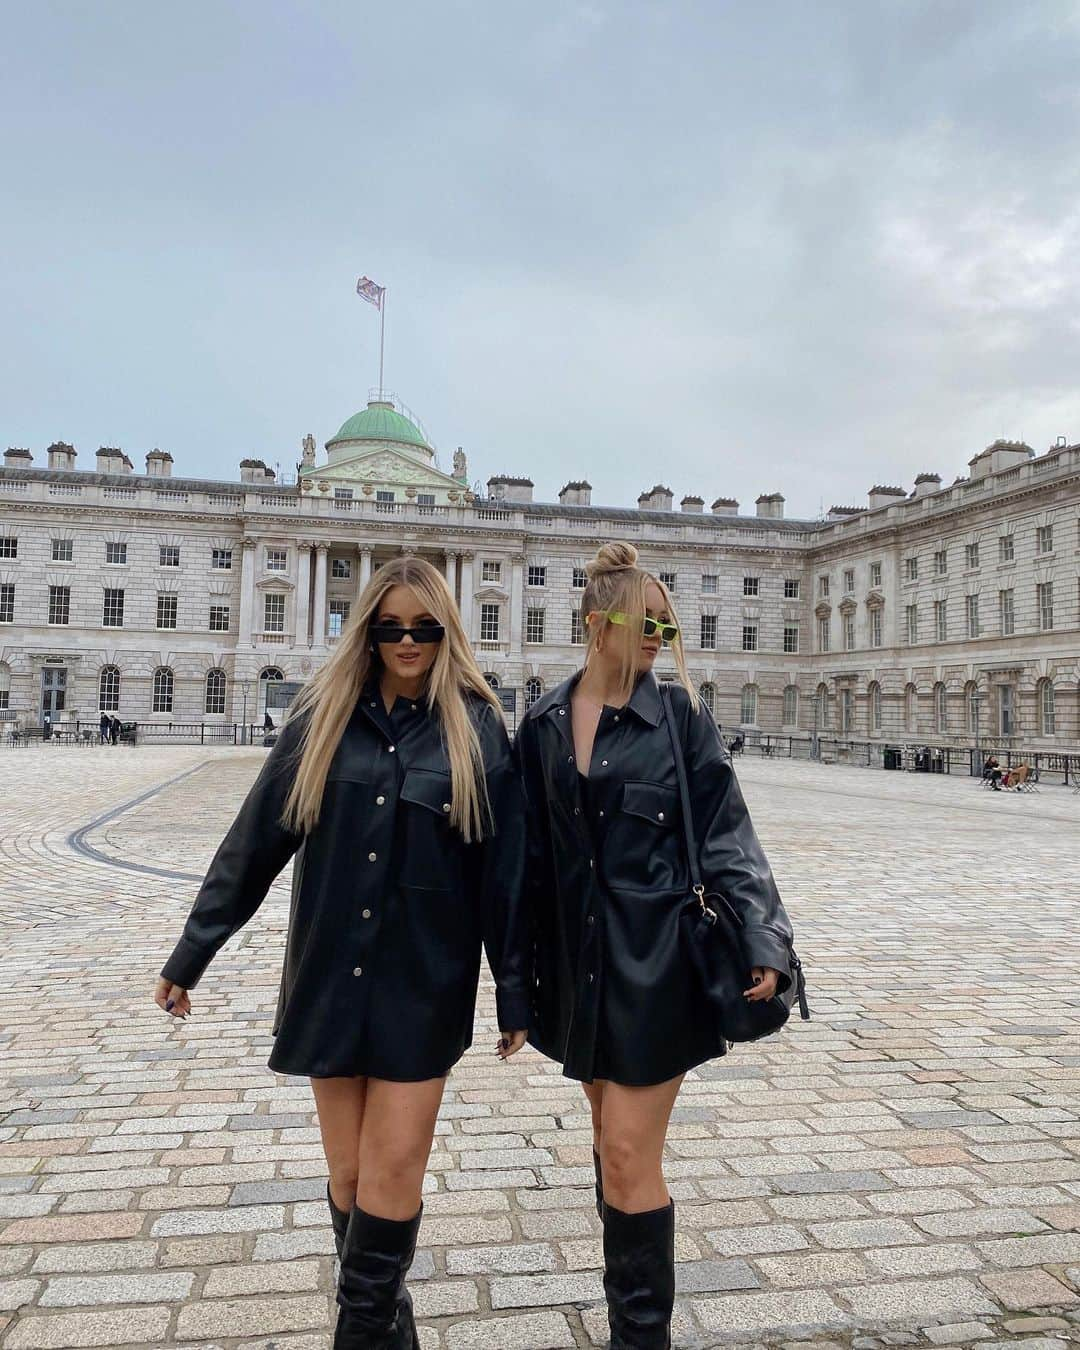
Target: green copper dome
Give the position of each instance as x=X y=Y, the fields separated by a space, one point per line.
x=380 y=422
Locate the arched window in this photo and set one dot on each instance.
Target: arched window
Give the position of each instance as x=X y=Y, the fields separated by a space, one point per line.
x=822 y=714
x=1045 y=699
x=215 y=692
x=873 y=696
x=791 y=705
x=109 y=689
x=971 y=707
x=5 y=685
x=533 y=689
x=163 y=690
x=267 y=676
x=941 y=709
x=492 y=679
x=748 y=710
x=708 y=697
x=911 y=708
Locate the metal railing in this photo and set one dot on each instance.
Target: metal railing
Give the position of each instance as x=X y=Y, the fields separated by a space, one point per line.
x=86 y=734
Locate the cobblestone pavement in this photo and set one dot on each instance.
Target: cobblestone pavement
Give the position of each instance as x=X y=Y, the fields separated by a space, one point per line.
x=903 y=1169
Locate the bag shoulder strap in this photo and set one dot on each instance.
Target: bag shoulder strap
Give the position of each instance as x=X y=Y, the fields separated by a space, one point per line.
x=684 y=795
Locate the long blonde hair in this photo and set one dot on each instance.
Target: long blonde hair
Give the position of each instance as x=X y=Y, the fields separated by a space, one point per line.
x=331 y=694
x=616 y=583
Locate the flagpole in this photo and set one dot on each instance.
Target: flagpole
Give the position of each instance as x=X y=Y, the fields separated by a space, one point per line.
x=382 y=335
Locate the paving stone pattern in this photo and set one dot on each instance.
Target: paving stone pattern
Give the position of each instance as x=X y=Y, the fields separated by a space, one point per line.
x=902 y=1170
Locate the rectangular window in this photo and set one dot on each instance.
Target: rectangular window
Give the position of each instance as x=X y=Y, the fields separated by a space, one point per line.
x=791 y=705
x=1007 y=709
x=823 y=587
x=1006 y=551
x=341 y=569
x=166 y=611
x=342 y=495
x=221 y=559
x=577 y=628
x=7 y=602
x=534 y=625
x=849 y=580
x=490 y=571
x=9 y=546
x=59 y=604
x=273 y=614
x=791 y=638
x=219 y=618
x=1044 y=597
x=383 y=498
x=971 y=615
x=823 y=635
x=971 y=556
x=489 y=622
x=791 y=588
x=710 y=583
x=875 y=574
x=875 y=628
x=1044 y=539
x=63 y=550
x=941 y=562
x=911 y=569
x=168 y=555
x=750 y=586
x=277 y=559
x=941 y=621
x=668 y=579
x=849 y=632
x=846 y=718
x=708 y=632
x=215 y=693
x=1005 y=611
x=580 y=578
x=116 y=553
x=748 y=708
x=425 y=499
x=537 y=575
x=911 y=623
x=112 y=613
x=749 y=637
x=339 y=617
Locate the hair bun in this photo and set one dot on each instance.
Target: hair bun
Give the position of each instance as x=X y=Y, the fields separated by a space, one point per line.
x=616 y=557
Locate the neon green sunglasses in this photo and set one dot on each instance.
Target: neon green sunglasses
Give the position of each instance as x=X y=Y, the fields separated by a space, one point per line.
x=668 y=632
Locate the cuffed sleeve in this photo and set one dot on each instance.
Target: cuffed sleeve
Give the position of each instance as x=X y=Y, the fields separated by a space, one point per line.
x=507 y=934
x=732 y=860
x=251 y=855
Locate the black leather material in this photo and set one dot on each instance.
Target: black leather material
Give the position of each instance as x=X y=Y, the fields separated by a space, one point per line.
x=374 y=1310
x=639 y=1277
x=339 y=1219
x=614 y=995
x=599 y=1184
x=390 y=907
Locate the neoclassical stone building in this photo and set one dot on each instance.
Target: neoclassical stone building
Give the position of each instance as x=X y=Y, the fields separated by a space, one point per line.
x=921 y=616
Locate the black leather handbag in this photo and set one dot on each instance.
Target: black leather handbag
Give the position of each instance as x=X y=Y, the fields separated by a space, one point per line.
x=711 y=934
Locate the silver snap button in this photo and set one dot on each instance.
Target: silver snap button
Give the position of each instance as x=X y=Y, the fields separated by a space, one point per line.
x=380 y=801
x=603 y=763
x=590 y=918
x=601 y=813
x=562 y=712
x=392 y=749
x=413 y=706
x=570 y=759
x=446 y=807
x=592 y=862
x=371 y=857
x=590 y=977
x=616 y=717
x=577 y=810
x=358 y=970
x=373 y=703
x=366 y=913
x=660 y=815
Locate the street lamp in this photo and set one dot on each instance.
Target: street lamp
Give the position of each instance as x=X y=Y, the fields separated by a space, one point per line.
x=244 y=684
x=815 y=744
x=976 y=706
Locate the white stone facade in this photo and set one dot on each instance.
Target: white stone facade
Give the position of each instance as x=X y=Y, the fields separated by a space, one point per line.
x=252 y=579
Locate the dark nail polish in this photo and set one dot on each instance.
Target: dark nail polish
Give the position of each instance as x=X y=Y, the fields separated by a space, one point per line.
x=170 y=1005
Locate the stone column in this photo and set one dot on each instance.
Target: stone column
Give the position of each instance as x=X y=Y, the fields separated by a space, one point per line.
x=247 y=592
x=318 y=626
x=517 y=600
x=467 y=585
x=303 y=597
x=451 y=572
x=365 y=569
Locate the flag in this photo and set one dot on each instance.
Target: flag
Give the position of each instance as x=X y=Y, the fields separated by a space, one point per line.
x=367 y=290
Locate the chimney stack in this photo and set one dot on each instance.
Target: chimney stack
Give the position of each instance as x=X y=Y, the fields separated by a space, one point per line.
x=926 y=483
x=17 y=458
x=658 y=498
x=506 y=489
x=770 y=506
x=725 y=506
x=885 y=496
x=158 y=463
x=576 y=494
x=696 y=505
x=61 y=455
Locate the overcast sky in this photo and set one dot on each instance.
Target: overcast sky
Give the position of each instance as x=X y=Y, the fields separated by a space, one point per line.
x=733 y=246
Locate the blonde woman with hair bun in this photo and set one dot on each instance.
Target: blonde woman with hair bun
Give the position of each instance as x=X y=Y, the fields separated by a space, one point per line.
x=614 y=998
x=393 y=784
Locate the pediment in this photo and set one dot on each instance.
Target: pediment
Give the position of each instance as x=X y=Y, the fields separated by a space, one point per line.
x=275 y=581
x=382 y=468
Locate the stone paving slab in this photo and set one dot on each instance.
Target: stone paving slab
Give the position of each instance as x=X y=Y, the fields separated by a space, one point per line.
x=902 y=1170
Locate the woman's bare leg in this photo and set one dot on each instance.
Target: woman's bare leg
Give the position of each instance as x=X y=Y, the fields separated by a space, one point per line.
x=395 y=1141
x=633 y=1126
x=340 y=1104
x=594 y=1091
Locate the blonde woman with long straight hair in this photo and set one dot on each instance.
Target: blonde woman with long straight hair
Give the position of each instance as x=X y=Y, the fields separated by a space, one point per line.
x=615 y=1001
x=393 y=784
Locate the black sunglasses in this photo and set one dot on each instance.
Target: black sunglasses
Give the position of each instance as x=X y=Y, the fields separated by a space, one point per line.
x=395 y=632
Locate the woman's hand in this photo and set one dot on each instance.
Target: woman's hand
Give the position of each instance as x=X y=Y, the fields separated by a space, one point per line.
x=510 y=1042
x=765 y=980
x=172 y=999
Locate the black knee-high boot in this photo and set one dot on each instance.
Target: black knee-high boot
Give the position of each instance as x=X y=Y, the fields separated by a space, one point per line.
x=639 y=1277
x=339 y=1218
x=375 y=1309
x=599 y=1184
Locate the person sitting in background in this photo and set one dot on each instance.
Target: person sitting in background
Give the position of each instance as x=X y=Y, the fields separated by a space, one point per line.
x=992 y=771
